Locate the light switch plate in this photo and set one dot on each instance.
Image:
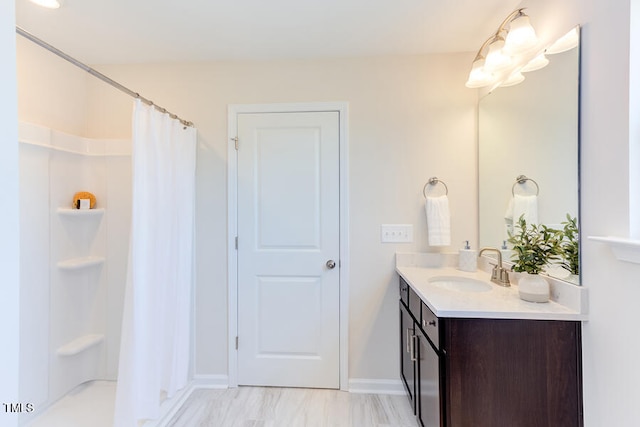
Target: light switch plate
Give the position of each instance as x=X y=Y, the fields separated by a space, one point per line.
x=396 y=233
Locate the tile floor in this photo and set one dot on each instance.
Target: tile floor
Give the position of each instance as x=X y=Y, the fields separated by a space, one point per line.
x=92 y=404
x=289 y=407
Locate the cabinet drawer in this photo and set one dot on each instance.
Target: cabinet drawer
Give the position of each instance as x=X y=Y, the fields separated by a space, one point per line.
x=404 y=292
x=414 y=304
x=430 y=325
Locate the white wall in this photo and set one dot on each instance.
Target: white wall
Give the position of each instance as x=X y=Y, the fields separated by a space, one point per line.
x=34 y=274
x=634 y=120
x=9 y=217
x=51 y=91
x=118 y=180
x=610 y=350
x=410 y=118
x=611 y=383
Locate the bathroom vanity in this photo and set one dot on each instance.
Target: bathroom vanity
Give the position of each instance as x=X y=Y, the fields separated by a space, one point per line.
x=472 y=356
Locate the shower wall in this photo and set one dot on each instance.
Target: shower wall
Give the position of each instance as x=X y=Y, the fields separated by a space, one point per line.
x=60 y=305
x=73 y=263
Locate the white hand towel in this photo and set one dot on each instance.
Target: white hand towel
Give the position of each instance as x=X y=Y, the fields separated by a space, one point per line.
x=508 y=214
x=523 y=205
x=438 y=221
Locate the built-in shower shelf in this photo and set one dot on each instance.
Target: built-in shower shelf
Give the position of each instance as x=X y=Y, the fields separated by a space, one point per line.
x=80 y=212
x=80 y=344
x=80 y=263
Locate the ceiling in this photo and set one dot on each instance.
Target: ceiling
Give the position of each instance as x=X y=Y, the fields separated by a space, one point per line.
x=139 y=31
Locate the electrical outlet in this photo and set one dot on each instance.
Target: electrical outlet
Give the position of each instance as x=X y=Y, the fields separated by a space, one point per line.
x=396 y=233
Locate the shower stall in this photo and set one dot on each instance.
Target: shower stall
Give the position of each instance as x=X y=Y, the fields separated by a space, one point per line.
x=73 y=264
x=106 y=292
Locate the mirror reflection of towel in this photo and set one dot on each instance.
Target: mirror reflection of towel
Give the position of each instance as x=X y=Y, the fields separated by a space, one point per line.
x=438 y=221
x=522 y=205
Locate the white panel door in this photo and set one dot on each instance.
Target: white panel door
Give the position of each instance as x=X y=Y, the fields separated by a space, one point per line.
x=288 y=231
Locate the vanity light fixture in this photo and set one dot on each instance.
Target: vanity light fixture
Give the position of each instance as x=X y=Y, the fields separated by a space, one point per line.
x=49 y=4
x=536 y=63
x=508 y=52
x=515 y=78
x=521 y=35
x=566 y=42
x=479 y=75
x=496 y=59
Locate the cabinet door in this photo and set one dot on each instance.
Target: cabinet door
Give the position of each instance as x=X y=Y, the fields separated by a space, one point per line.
x=520 y=373
x=428 y=397
x=407 y=331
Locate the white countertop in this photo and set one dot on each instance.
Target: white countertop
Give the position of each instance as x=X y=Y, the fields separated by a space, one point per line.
x=568 y=300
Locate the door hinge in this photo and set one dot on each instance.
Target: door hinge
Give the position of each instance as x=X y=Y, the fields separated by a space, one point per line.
x=236 y=243
x=236 y=343
x=235 y=139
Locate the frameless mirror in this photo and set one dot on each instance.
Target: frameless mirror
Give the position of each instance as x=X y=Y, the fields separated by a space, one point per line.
x=530 y=130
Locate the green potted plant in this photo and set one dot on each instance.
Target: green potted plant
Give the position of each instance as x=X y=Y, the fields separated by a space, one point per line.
x=569 y=246
x=534 y=246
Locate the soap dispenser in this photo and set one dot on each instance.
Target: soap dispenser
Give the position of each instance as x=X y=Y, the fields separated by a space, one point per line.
x=505 y=251
x=467 y=258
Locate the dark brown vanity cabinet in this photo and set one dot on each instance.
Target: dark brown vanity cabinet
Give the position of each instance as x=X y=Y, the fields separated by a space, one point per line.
x=428 y=400
x=407 y=358
x=491 y=372
x=420 y=361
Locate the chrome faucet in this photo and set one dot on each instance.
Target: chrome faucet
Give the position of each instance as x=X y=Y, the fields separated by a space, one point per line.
x=499 y=275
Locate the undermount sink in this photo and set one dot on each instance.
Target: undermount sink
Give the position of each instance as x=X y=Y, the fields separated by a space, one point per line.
x=462 y=284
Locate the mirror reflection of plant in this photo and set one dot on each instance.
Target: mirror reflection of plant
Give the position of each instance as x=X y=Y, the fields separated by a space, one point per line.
x=570 y=246
x=534 y=246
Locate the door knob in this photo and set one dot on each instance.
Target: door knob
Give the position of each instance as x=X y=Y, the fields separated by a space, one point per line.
x=331 y=264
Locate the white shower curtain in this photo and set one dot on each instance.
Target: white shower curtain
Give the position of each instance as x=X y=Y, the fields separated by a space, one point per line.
x=155 y=344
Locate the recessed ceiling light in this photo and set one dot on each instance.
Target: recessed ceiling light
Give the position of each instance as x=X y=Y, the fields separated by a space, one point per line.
x=50 y=4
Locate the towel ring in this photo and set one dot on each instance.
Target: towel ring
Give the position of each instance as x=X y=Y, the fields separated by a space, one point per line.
x=521 y=179
x=434 y=181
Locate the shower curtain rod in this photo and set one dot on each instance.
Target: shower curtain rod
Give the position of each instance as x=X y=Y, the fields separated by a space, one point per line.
x=96 y=73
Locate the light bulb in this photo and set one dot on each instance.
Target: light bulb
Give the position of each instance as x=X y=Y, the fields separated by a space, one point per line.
x=521 y=35
x=513 y=80
x=479 y=77
x=496 y=58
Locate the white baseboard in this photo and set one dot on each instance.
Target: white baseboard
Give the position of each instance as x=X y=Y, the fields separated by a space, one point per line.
x=372 y=386
x=170 y=407
x=210 y=381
